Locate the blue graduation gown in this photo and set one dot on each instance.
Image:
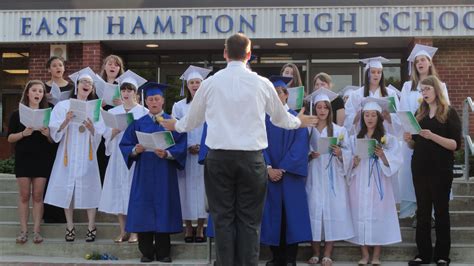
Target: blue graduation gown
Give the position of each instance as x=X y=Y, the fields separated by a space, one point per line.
x=203 y=149
x=288 y=150
x=154 y=197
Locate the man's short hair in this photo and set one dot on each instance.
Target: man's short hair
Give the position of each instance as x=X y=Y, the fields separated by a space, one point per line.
x=237 y=46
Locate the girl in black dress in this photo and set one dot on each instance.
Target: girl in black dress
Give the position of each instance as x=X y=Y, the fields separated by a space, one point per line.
x=323 y=80
x=55 y=66
x=432 y=169
x=32 y=163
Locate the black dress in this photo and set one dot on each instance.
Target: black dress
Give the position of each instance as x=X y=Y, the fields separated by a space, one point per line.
x=34 y=154
x=336 y=104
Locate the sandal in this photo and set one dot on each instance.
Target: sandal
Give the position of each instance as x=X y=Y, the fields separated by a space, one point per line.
x=133 y=238
x=376 y=262
x=91 y=234
x=326 y=261
x=190 y=238
x=122 y=238
x=313 y=260
x=70 y=234
x=362 y=262
x=37 y=238
x=22 y=237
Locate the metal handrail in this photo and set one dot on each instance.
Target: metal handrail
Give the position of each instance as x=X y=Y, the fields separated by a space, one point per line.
x=468 y=106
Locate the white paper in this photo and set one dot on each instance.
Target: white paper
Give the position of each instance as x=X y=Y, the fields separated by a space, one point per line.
x=118 y=121
x=85 y=109
x=157 y=140
x=57 y=95
x=107 y=91
x=409 y=122
x=324 y=144
x=295 y=98
x=365 y=148
x=34 y=118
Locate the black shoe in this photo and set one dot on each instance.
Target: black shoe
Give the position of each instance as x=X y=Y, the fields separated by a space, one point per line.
x=164 y=259
x=417 y=261
x=275 y=262
x=442 y=262
x=145 y=259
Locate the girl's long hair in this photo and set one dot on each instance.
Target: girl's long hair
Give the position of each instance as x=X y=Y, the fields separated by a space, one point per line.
x=415 y=76
x=329 y=125
x=379 y=131
x=442 y=105
x=115 y=58
x=296 y=82
x=383 y=89
x=24 y=97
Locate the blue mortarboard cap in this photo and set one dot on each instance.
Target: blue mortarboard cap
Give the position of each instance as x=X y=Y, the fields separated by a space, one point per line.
x=280 y=81
x=252 y=57
x=154 y=88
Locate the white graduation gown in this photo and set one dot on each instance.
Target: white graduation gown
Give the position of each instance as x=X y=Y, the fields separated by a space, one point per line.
x=79 y=180
x=191 y=179
x=375 y=220
x=353 y=106
x=410 y=101
x=329 y=209
x=118 y=178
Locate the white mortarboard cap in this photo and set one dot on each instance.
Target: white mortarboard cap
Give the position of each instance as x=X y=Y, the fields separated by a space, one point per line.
x=421 y=49
x=193 y=72
x=131 y=78
x=321 y=94
x=85 y=73
x=347 y=90
x=374 y=104
x=375 y=62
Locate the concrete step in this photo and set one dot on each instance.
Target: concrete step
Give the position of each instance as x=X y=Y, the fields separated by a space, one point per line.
x=10 y=214
x=343 y=251
x=108 y=231
x=41 y=260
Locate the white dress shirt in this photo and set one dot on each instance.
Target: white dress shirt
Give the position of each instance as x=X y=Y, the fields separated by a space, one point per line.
x=233 y=102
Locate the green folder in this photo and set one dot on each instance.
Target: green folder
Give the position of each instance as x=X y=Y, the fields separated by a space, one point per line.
x=391 y=105
x=47 y=117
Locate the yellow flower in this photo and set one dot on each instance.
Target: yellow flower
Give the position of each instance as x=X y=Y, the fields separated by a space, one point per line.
x=420 y=100
x=383 y=140
x=159 y=118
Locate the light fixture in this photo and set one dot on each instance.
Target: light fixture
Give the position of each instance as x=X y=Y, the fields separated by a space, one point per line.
x=281 y=44
x=361 y=43
x=256 y=46
x=15 y=55
x=152 y=45
x=17 y=71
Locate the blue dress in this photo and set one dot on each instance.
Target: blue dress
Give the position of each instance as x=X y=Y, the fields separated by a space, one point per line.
x=288 y=150
x=154 y=197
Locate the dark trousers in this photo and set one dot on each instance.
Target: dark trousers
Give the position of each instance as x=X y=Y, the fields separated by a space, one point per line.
x=152 y=243
x=285 y=252
x=236 y=184
x=434 y=191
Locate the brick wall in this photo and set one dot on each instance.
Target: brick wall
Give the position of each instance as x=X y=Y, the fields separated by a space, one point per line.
x=80 y=55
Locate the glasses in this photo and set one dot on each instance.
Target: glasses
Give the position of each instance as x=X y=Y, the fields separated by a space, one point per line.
x=425 y=88
x=86 y=82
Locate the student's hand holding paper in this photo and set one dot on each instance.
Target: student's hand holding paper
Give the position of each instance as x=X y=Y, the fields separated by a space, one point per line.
x=314 y=155
x=336 y=150
x=45 y=131
x=307 y=120
x=161 y=153
x=89 y=125
x=194 y=149
x=426 y=133
x=139 y=148
x=379 y=152
x=169 y=124
x=27 y=132
x=356 y=161
x=117 y=101
x=407 y=137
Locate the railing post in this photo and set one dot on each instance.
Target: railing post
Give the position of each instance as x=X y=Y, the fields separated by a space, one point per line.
x=468 y=146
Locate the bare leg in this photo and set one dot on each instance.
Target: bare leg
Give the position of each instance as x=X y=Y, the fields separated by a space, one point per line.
x=91 y=218
x=69 y=217
x=328 y=247
x=23 y=201
x=376 y=255
x=316 y=247
x=189 y=228
x=365 y=255
x=122 y=219
x=200 y=227
x=38 y=191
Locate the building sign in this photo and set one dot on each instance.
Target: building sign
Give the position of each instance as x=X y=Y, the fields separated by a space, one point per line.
x=218 y=23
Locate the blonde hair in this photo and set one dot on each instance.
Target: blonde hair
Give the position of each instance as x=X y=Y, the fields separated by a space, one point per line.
x=296 y=82
x=415 y=76
x=117 y=60
x=324 y=77
x=443 y=106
